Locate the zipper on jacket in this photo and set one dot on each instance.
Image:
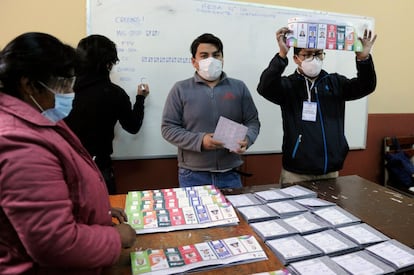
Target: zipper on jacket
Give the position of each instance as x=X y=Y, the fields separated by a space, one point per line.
x=298 y=141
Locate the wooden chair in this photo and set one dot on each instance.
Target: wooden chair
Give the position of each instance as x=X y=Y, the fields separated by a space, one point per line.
x=406 y=145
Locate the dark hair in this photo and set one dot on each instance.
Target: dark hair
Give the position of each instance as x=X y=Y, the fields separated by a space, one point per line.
x=37 y=56
x=296 y=50
x=207 y=38
x=97 y=53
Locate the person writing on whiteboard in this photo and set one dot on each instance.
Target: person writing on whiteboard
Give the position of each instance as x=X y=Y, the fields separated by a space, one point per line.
x=191 y=113
x=54 y=209
x=312 y=102
x=99 y=104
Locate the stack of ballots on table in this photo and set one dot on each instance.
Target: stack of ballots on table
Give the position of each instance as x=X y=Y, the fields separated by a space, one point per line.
x=178 y=208
x=198 y=256
x=309 y=234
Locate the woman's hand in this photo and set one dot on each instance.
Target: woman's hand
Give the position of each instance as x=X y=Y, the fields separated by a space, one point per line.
x=119 y=214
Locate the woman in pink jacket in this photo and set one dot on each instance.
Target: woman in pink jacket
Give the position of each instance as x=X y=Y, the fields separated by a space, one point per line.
x=55 y=217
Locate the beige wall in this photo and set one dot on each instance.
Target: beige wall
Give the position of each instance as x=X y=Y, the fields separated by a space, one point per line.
x=393 y=52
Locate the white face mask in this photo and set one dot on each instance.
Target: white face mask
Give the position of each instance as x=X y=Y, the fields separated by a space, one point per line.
x=312 y=68
x=210 y=68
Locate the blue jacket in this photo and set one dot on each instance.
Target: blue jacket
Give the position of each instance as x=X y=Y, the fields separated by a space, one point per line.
x=314 y=147
x=192 y=109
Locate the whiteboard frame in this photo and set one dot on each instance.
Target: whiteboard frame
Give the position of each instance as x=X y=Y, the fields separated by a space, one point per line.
x=269 y=113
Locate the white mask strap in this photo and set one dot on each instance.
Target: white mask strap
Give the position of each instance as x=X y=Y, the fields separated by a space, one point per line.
x=37 y=104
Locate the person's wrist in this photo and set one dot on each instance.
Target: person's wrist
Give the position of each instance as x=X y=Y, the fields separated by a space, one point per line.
x=282 y=55
x=362 y=57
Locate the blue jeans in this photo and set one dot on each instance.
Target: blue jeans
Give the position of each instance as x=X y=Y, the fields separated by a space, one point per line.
x=230 y=179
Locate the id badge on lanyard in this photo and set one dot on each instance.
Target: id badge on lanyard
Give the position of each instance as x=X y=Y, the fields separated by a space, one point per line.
x=309 y=111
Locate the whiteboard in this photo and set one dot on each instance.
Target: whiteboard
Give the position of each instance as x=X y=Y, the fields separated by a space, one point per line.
x=153 y=39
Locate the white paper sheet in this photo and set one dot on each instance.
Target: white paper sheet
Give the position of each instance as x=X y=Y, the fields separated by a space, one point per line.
x=230 y=133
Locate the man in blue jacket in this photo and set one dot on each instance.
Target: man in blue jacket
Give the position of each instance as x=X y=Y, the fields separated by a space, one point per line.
x=312 y=102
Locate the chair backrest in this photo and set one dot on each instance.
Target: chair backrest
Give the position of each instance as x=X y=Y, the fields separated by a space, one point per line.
x=406 y=144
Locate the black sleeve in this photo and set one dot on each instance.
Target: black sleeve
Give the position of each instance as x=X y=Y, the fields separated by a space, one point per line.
x=364 y=83
x=270 y=85
x=131 y=119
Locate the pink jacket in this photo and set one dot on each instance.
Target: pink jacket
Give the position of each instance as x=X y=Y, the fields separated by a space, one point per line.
x=54 y=207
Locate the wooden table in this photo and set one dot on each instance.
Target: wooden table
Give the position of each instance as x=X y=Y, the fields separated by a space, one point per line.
x=380 y=207
x=385 y=209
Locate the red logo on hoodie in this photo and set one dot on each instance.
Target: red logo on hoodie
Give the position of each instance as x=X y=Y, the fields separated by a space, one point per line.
x=229 y=96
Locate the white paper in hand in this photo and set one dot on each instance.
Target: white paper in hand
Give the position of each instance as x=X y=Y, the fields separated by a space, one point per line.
x=230 y=133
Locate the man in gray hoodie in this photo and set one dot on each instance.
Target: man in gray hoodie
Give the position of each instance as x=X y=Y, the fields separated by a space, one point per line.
x=192 y=110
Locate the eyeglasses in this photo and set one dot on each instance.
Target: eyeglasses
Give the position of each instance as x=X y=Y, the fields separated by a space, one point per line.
x=60 y=85
x=312 y=55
